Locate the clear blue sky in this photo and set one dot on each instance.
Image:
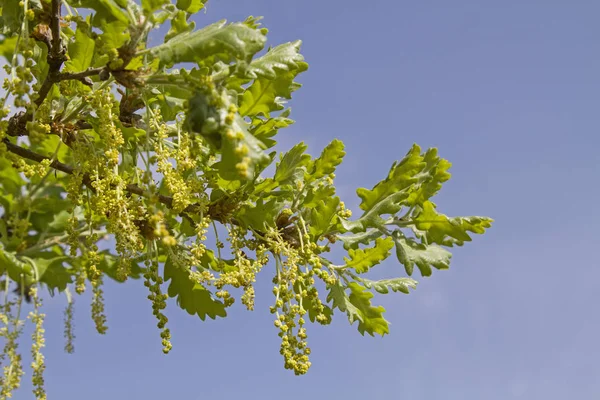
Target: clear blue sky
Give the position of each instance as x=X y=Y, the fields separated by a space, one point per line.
x=509 y=92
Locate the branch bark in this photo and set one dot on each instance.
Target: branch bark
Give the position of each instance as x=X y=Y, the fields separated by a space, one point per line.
x=56 y=54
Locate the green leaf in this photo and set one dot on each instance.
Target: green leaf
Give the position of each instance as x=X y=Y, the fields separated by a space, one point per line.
x=10 y=179
x=438 y=228
x=265 y=95
x=352 y=241
x=107 y=11
x=362 y=260
x=81 y=52
x=179 y=25
x=358 y=307
x=60 y=221
x=241 y=165
x=311 y=307
x=396 y=284
x=371 y=318
x=190 y=295
x=191 y=6
x=242 y=155
x=389 y=205
x=409 y=253
x=401 y=176
x=109 y=264
x=114 y=35
x=7 y=47
x=284 y=57
x=292 y=165
x=50 y=269
x=435 y=173
x=12 y=15
x=316 y=195
x=15 y=267
x=260 y=215
x=323 y=216
x=330 y=158
x=264 y=129
x=233 y=41
x=149 y=6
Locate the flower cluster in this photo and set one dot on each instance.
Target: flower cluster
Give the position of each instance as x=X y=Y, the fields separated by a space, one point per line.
x=153 y=281
x=38 y=342
x=10 y=331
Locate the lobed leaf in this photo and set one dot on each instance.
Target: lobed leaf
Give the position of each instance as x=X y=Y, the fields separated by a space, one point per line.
x=107 y=11
x=284 y=57
x=81 y=52
x=401 y=176
x=352 y=241
x=362 y=260
x=396 y=284
x=431 y=178
x=191 y=6
x=389 y=205
x=358 y=307
x=233 y=41
x=411 y=253
x=323 y=215
x=261 y=214
x=264 y=96
x=253 y=156
x=438 y=228
x=292 y=165
x=330 y=158
x=190 y=295
x=265 y=129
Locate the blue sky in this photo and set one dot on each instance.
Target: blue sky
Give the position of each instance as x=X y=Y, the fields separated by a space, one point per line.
x=508 y=92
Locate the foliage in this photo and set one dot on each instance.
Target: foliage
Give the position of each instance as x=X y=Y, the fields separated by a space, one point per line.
x=140 y=149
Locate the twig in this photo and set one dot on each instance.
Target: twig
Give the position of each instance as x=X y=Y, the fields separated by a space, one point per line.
x=67 y=169
x=81 y=76
x=56 y=54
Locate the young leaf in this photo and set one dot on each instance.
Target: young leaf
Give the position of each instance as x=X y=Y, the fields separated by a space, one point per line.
x=359 y=307
x=81 y=52
x=435 y=172
x=264 y=95
x=243 y=156
x=260 y=215
x=17 y=269
x=49 y=269
x=438 y=228
x=401 y=176
x=107 y=11
x=191 y=296
x=389 y=205
x=409 y=253
x=396 y=284
x=233 y=41
x=149 y=6
x=362 y=260
x=352 y=241
x=109 y=264
x=12 y=15
x=323 y=216
x=265 y=129
x=292 y=165
x=285 y=57
x=179 y=25
x=330 y=158
x=191 y=6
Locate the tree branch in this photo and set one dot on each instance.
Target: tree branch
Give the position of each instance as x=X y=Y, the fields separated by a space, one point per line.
x=67 y=169
x=81 y=76
x=56 y=54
